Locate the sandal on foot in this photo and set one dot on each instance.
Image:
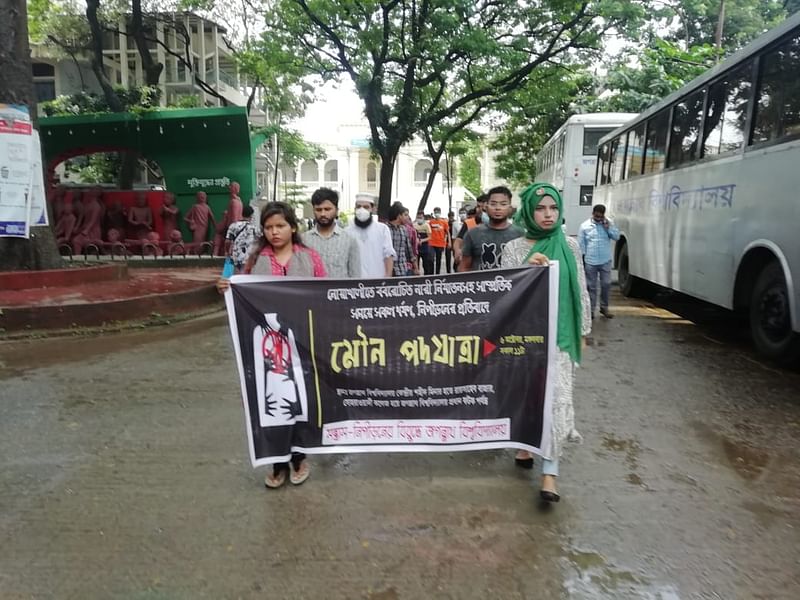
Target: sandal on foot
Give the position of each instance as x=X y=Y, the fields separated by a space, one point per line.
x=549 y=496
x=300 y=473
x=275 y=479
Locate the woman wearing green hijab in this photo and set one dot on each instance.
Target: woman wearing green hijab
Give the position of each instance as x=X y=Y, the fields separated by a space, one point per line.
x=540 y=217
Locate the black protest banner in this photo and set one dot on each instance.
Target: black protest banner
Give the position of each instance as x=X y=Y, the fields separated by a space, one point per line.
x=453 y=362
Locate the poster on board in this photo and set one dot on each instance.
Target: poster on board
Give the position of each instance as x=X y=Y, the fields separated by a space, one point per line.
x=16 y=142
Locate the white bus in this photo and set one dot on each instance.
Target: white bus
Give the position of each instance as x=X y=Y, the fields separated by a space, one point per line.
x=568 y=159
x=705 y=188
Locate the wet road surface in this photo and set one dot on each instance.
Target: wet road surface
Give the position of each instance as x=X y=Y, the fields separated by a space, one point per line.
x=124 y=474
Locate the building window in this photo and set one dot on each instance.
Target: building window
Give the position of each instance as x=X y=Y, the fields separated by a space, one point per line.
x=591 y=138
x=309 y=171
x=777 y=112
x=657 y=128
x=727 y=111
x=422 y=170
x=687 y=116
x=332 y=171
x=44 y=81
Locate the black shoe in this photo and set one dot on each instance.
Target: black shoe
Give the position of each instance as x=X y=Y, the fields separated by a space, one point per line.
x=605 y=312
x=524 y=463
x=548 y=496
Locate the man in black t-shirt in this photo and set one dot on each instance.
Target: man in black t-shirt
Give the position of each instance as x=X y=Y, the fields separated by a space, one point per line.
x=483 y=245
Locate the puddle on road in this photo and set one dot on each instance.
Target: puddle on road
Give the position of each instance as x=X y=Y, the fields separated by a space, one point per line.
x=387 y=594
x=746 y=460
x=591 y=576
x=16 y=357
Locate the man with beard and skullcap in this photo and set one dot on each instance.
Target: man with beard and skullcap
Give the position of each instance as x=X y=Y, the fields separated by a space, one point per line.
x=374 y=240
x=338 y=249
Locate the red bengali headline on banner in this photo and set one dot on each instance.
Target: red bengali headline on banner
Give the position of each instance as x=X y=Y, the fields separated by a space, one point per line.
x=419 y=364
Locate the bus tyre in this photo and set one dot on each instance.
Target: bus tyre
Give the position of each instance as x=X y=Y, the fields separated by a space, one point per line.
x=631 y=287
x=770 y=320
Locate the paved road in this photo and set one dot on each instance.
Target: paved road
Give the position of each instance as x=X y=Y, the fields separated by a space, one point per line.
x=123 y=474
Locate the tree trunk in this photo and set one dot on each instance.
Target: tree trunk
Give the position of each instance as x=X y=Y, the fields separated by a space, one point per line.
x=429 y=184
x=16 y=87
x=720 y=29
x=277 y=162
x=388 y=159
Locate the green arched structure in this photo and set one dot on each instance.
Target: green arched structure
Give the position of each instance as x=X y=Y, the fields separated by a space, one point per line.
x=199 y=149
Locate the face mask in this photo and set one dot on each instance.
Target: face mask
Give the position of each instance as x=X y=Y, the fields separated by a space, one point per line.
x=462 y=216
x=362 y=214
x=420 y=221
x=484 y=217
x=437 y=215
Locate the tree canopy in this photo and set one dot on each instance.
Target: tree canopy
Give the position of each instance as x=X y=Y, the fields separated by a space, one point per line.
x=435 y=66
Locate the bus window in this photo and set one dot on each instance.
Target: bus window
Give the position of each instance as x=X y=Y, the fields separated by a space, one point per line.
x=585 y=196
x=591 y=137
x=778 y=108
x=617 y=156
x=687 y=116
x=603 y=165
x=727 y=111
x=633 y=158
x=657 y=128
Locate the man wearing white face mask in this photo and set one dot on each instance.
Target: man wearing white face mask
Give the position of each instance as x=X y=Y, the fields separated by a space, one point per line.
x=374 y=240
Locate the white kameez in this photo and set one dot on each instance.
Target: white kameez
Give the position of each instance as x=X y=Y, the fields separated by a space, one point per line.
x=563 y=421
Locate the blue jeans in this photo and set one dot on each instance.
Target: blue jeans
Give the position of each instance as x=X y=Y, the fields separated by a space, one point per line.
x=550 y=467
x=592 y=272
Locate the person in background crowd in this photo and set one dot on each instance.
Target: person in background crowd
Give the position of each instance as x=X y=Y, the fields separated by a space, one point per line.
x=412 y=235
x=483 y=245
x=452 y=225
x=544 y=241
x=374 y=240
x=473 y=218
x=440 y=238
x=594 y=239
x=423 y=230
x=403 y=251
x=239 y=239
x=338 y=249
x=281 y=252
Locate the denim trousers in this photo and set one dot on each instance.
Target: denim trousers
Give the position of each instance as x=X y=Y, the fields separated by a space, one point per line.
x=592 y=273
x=550 y=467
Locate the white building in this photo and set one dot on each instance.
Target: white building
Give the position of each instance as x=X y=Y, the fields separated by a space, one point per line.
x=212 y=61
x=350 y=168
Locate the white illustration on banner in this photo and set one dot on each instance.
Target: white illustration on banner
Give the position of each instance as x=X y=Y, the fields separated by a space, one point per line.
x=280 y=386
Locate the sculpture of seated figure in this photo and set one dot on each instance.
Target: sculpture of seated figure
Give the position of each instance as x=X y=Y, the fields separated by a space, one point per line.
x=65 y=226
x=112 y=246
x=151 y=246
x=198 y=218
x=116 y=219
x=140 y=218
x=90 y=230
x=169 y=214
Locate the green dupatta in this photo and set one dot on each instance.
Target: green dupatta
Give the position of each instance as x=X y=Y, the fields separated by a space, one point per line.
x=553 y=244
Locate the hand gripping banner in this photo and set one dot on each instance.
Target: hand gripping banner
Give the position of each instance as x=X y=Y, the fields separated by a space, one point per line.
x=445 y=363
